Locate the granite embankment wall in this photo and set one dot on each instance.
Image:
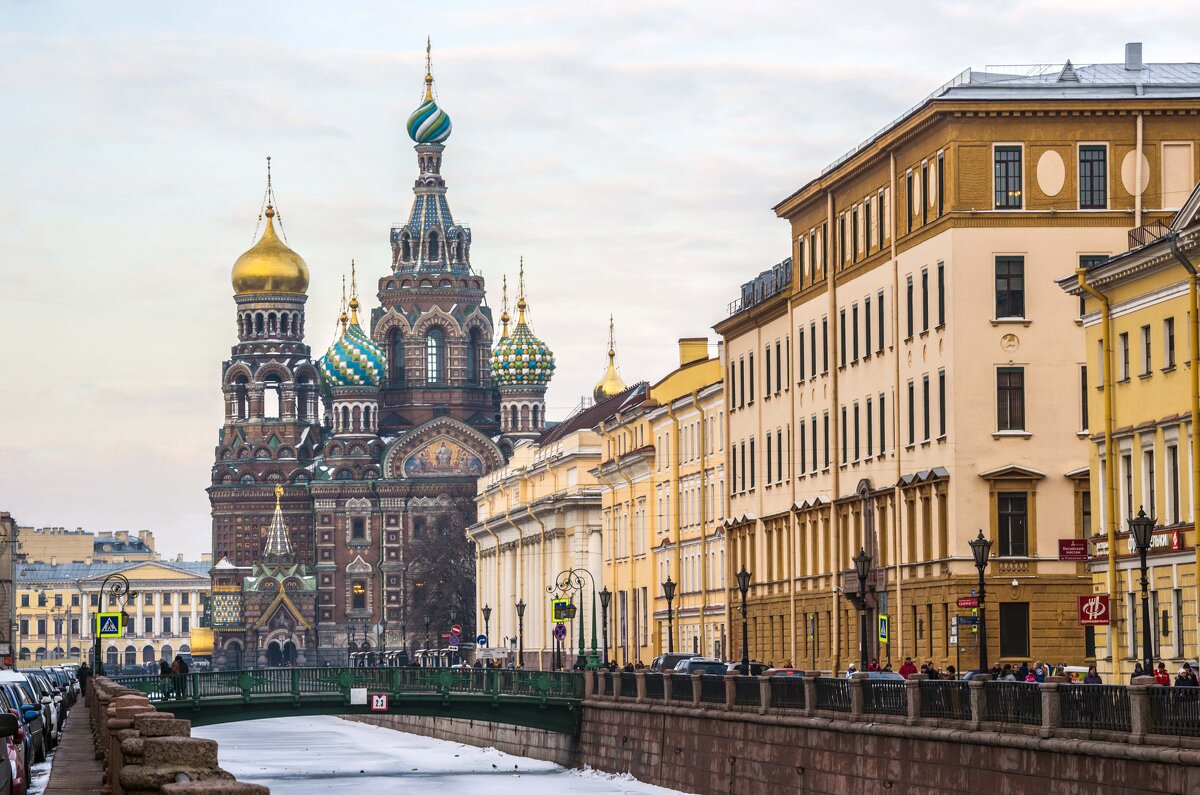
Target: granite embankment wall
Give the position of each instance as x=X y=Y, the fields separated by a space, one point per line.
x=562 y=749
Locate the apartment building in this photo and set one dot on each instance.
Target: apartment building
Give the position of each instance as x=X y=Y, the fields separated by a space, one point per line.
x=928 y=367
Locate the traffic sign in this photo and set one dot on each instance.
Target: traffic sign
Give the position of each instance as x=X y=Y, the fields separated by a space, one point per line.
x=968 y=601
x=379 y=702
x=110 y=625
x=455 y=629
x=454 y=640
x=558 y=609
x=481 y=640
x=560 y=631
x=883 y=628
x=968 y=621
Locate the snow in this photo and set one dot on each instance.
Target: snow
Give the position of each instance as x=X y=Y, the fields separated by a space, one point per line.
x=327 y=755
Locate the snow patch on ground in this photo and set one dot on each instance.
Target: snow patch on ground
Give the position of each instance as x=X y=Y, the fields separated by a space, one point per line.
x=327 y=755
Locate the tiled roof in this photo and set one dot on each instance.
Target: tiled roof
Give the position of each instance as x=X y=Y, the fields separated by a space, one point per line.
x=594 y=415
x=68 y=572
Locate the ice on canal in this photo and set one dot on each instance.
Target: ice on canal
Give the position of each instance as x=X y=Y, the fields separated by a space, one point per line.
x=327 y=755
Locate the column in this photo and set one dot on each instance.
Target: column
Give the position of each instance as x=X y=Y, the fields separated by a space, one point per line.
x=157 y=597
x=138 y=625
x=175 y=618
x=193 y=601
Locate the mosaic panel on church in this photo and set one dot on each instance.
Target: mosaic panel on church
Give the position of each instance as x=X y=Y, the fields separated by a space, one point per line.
x=442 y=457
x=226 y=609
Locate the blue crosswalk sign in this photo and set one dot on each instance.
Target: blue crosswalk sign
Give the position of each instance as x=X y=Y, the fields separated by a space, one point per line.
x=108 y=625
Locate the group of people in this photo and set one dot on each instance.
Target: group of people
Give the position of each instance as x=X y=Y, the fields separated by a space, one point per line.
x=174 y=677
x=1186 y=676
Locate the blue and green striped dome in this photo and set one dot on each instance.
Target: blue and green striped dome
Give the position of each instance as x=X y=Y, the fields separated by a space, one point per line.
x=429 y=124
x=354 y=360
x=521 y=359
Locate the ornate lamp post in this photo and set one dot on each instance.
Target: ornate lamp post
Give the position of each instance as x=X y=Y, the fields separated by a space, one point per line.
x=605 y=601
x=487 y=617
x=571 y=612
x=1142 y=528
x=572 y=581
x=119 y=592
x=521 y=633
x=743 y=580
x=427 y=630
x=981 y=548
x=669 y=592
x=862 y=567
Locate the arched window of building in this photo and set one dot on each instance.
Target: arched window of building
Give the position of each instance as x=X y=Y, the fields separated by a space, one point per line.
x=474 y=359
x=435 y=249
x=241 y=399
x=536 y=418
x=303 y=394
x=130 y=656
x=524 y=418
x=358 y=595
x=462 y=251
x=271 y=325
x=284 y=323
x=512 y=418
x=435 y=356
x=356 y=419
x=345 y=419
x=272 y=397
x=366 y=420
x=148 y=653
x=258 y=323
x=112 y=657
x=396 y=356
x=166 y=653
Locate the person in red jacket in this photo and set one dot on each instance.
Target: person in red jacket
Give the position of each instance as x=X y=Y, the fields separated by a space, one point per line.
x=1161 y=675
x=908 y=669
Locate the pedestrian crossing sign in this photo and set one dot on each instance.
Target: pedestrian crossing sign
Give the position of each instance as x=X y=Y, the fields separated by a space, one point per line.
x=110 y=625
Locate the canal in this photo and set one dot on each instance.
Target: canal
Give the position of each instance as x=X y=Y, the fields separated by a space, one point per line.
x=326 y=755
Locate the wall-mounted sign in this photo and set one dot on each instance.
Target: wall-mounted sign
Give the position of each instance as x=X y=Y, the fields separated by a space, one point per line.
x=1072 y=549
x=1093 y=610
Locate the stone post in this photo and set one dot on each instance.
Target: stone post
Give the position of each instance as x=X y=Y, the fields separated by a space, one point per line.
x=616 y=684
x=589 y=683
x=640 y=678
x=912 y=693
x=764 y=694
x=858 y=684
x=668 y=687
x=730 y=690
x=696 y=688
x=1139 y=708
x=214 y=787
x=810 y=693
x=978 y=701
x=1051 y=708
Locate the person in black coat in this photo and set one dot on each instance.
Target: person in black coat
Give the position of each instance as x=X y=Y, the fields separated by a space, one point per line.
x=83 y=674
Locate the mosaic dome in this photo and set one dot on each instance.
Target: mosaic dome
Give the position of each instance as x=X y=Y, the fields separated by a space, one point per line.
x=521 y=359
x=429 y=124
x=354 y=360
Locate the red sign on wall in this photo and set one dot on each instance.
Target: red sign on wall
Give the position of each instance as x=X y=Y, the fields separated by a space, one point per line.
x=1093 y=610
x=1072 y=549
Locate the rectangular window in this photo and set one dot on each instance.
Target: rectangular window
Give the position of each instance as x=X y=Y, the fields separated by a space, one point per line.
x=1093 y=177
x=941 y=183
x=166 y=624
x=941 y=404
x=826 y=416
x=767 y=371
x=800 y=352
x=1012 y=525
x=880 y=224
x=812 y=341
x=1014 y=629
x=910 y=307
x=814 y=444
x=879 y=302
x=778 y=365
x=912 y=414
x=183 y=598
x=358 y=528
x=148 y=625
x=1085 y=497
x=867 y=224
x=866 y=327
x=854 y=333
x=1123 y=352
x=1173 y=516
x=780 y=448
x=752 y=462
x=925 y=190
x=803 y=448
x=824 y=345
x=925 y=402
x=857 y=449
x=752 y=379
x=941 y=285
x=925 y=299
x=842 y=335
x=1149 y=484
x=741 y=383
x=842 y=238
x=1147 y=356
x=1008 y=177
x=1169 y=343
x=1083 y=399
x=1010 y=398
x=166 y=598
x=1010 y=287
x=870 y=428
x=770 y=457
x=24 y=600
x=1127 y=473
x=845 y=437
x=185 y=624
x=882 y=424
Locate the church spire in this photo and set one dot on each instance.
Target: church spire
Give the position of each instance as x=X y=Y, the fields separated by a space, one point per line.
x=279 y=541
x=504 y=316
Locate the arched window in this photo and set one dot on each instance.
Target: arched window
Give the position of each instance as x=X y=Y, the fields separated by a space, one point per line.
x=405 y=247
x=524 y=418
x=435 y=249
x=366 y=421
x=272 y=397
x=536 y=418
x=147 y=653
x=512 y=418
x=111 y=656
x=396 y=356
x=130 y=656
x=271 y=327
x=303 y=390
x=474 y=360
x=356 y=414
x=241 y=399
x=358 y=595
x=435 y=356
x=345 y=419
x=258 y=323
x=462 y=250
x=167 y=654
x=284 y=323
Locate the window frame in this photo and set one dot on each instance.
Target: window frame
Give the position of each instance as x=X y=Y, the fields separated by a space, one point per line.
x=1008 y=295
x=1007 y=394
x=1004 y=201
x=1098 y=183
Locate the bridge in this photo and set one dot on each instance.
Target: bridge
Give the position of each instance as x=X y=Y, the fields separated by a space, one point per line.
x=537 y=699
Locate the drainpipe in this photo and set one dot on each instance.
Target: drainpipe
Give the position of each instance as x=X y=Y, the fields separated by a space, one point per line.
x=899 y=448
x=1137 y=177
x=1194 y=344
x=545 y=558
x=1110 y=455
x=835 y=528
x=675 y=518
x=703 y=514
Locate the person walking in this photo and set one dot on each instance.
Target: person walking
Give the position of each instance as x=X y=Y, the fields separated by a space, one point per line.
x=1092 y=678
x=908 y=669
x=179 y=670
x=83 y=674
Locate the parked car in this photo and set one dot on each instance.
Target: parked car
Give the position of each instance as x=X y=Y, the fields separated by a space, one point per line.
x=756 y=668
x=889 y=675
x=12 y=775
x=50 y=695
x=704 y=665
x=794 y=672
x=667 y=662
x=20 y=697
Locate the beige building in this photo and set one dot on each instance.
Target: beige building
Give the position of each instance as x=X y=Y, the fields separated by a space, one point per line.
x=60 y=545
x=926 y=368
x=8 y=540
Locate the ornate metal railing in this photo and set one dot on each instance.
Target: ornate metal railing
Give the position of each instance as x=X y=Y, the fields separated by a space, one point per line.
x=946 y=698
x=787 y=692
x=885 y=697
x=1095 y=707
x=1013 y=702
x=1175 y=710
x=833 y=694
x=628 y=684
x=746 y=691
x=681 y=688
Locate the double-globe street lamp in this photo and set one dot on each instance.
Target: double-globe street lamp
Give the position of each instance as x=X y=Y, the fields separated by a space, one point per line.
x=487 y=617
x=521 y=634
x=743 y=580
x=669 y=592
x=605 y=601
x=572 y=581
x=981 y=548
x=1142 y=528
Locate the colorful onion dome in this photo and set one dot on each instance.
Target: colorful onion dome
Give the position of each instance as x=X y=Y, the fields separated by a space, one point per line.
x=520 y=358
x=429 y=124
x=270 y=266
x=355 y=359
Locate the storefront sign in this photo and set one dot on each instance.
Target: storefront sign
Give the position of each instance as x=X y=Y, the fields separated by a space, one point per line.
x=1072 y=549
x=1162 y=541
x=1093 y=610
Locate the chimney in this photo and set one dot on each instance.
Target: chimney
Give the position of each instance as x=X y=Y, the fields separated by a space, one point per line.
x=1133 y=56
x=692 y=349
x=122 y=536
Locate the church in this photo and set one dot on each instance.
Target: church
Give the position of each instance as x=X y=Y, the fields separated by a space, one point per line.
x=342 y=485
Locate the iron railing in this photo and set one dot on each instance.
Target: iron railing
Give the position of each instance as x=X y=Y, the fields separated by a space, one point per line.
x=654 y=685
x=833 y=694
x=787 y=692
x=1013 y=702
x=746 y=691
x=1095 y=707
x=681 y=688
x=628 y=684
x=1175 y=710
x=1148 y=233
x=946 y=698
x=885 y=697
x=712 y=689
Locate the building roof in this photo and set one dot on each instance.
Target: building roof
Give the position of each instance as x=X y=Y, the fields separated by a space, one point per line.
x=70 y=572
x=593 y=415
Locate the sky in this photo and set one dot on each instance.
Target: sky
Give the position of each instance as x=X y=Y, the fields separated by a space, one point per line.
x=630 y=152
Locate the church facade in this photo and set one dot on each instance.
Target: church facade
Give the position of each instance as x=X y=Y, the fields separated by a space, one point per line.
x=342 y=485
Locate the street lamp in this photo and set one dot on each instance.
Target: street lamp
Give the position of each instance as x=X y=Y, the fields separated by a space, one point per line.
x=743 y=580
x=487 y=617
x=669 y=592
x=605 y=601
x=980 y=549
x=119 y=593
x=569 y=582
x=1142 y=527
x=521 y=633
x=862 y=567
x=426 y=630
x=571 y=611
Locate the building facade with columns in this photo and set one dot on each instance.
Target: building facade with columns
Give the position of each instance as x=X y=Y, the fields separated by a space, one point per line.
x=917 y=353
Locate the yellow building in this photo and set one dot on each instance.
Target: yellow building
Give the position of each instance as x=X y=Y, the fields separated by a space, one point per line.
x=915 y=350
x=60 y=545
x=661 y=481
x=57 y=604
x=1140 y=388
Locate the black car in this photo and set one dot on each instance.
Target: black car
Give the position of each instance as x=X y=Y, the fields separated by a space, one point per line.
x=667 y=662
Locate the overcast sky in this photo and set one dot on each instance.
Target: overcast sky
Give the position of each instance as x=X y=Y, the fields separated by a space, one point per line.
x=631 y=153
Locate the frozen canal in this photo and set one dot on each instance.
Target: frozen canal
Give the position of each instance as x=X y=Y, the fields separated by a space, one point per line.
x=327 y=755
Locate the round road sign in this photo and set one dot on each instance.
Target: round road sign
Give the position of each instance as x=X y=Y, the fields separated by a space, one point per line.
x=481 y=640
x=455 y=630
x=454 y=640
x=560 y=631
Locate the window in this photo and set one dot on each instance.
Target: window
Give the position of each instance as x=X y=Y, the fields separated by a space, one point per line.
x=925 y=299
x=925 y=187
x=41 y=599
x=845 y=437
x=882 y=425
x=941 y=279
x=185 y=625
x=752 y=462
x=1093 y=177
x=74 y=600
x=854 y=246
x=358 y=595
x=912 y=414
x=41 y=626
x=1083 y=399
x=1010 y=398
x=184 y=598
x=866 y=327
x=867 y=224
x=24 y=600
x=800 y=352
x=272 y=397
x=1148 y=479
x=941 y=183
x=1173 y=516
x=854 y=333
x=396 y=355
x=358 y=528
x=770 y=457
x=842 y=335
x=741 y=383
x=58 y=600
x=1147 y=357
x=1127 y=473
x=778 y=365
x=435 y=356
x=908 y=195
x=779 y=447
x=1010 y=287
x=1085 y=498
x=767 y=370
x=1169 y=343
x=879 y=214
x=827 y=440
x=857 y=453
x=1008 y=177
x=166 y=598
x=941 y=403
x=812 y=340
x=1012 y=515
x=910 y=307
x=166 y=625
x=803 y=448
x=824 y=345
x=879 y=303
x=1123 y=352
x=752 y=379
x=814 y=443
x=870 y=429
x=148 y=625
x=1014 y=629
x=925 y=402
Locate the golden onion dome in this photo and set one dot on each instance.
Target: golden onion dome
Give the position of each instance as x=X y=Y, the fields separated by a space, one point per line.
x=612 y=383
x=270 y=266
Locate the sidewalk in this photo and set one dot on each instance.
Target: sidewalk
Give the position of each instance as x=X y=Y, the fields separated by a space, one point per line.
x=75 y=769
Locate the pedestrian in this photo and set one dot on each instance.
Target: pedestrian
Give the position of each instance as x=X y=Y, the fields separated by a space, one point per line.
x=1022 y=672
x=871 y=666
x=1007 y=674
x=1161 y=675
x=996 y=672
x=639 y=666
x=1137 y=671
x=83 y=674
x=908 y=669
x=164 y=675
x=1092 y=678
x=851 y=671
x=932 y=672
x=1187 y=677
x=628 y=667
x=179 y=669
x=951 y=673
x=1039 y=672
